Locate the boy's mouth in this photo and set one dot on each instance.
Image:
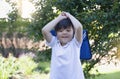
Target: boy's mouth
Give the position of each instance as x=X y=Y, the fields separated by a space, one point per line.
x=64 y=36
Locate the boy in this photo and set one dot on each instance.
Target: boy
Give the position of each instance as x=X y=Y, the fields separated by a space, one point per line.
x=65 y=61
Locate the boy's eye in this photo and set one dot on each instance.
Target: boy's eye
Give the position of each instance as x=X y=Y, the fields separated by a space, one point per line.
x=68 y=30
x=60 y=30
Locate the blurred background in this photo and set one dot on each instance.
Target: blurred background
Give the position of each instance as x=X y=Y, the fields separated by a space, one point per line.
x=24 y=54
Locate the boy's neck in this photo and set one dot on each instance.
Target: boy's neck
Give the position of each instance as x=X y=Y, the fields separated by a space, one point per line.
x=63 y=44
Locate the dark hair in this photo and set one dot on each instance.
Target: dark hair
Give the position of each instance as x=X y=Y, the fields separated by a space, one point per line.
x=63 y=24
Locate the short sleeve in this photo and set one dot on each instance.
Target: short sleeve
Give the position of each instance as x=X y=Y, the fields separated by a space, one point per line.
x=53 y=41
x=76 y=42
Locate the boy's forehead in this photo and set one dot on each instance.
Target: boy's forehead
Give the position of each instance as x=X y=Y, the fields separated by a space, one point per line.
x=68 y=27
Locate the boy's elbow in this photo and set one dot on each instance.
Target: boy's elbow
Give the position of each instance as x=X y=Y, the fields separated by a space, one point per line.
x=78 y=26
x=42 y=30
x=45 y=31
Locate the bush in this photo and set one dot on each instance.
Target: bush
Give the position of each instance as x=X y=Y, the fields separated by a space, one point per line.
x=12 y=66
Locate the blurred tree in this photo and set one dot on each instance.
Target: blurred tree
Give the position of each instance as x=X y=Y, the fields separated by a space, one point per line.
x=14 y=22
x=100 y=17
x=9 y=26
x=44 y=13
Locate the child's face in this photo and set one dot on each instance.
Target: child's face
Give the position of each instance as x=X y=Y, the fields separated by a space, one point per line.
x=65 y=35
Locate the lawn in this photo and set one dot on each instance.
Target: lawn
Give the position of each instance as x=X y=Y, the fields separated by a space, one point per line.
x=26 y=68
x=114 y=75
x=109 y=71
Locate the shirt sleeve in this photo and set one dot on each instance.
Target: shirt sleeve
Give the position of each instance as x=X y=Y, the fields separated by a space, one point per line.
x=52 y=42
x=77 y=42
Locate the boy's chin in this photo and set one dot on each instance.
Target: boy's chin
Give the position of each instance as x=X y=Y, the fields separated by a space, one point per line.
x=64 y=43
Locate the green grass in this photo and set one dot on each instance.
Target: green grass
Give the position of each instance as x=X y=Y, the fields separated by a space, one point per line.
x=25 y=66
x=108 y=71
x=114 y=75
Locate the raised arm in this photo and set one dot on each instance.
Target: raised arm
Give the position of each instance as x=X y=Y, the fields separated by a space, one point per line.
x=77 y=25
x=48 y=27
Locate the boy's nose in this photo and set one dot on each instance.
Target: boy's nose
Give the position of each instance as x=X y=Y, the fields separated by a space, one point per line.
x=64 y=32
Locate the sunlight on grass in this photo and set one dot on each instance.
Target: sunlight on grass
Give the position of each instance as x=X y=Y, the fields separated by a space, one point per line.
x=44 y=76
x=108 y=68
x=107 y=71
x=114 y=75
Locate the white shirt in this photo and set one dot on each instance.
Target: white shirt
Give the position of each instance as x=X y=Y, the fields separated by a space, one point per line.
x=65 y=61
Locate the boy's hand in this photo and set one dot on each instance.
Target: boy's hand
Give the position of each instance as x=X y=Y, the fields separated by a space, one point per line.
x=62 y=16
x=67 y=14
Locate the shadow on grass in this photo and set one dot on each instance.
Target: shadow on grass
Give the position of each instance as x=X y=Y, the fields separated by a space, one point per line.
x=114 y=75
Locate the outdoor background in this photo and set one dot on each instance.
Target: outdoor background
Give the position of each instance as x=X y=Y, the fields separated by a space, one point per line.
x=24 y=54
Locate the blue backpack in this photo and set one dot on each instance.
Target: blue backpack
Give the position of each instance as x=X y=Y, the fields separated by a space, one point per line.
x=85 y=52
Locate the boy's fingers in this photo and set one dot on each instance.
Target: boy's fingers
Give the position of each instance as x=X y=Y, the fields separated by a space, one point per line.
x=67 y=14
x=63 y=13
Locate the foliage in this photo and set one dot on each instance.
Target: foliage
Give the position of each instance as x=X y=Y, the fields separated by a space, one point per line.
x=42 y=15
x=101 y=19
x=19 y=25
x=43 y=56
x=14 y=22
x=12 y=66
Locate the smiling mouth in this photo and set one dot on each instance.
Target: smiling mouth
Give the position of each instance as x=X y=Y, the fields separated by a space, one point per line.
x=64 y=36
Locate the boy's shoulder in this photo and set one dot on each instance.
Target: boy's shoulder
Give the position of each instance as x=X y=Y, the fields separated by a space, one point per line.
x=52 y=42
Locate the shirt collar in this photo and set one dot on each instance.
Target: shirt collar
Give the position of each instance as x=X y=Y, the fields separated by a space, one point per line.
x=66 y=45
